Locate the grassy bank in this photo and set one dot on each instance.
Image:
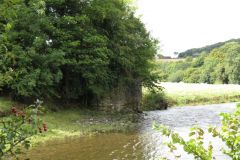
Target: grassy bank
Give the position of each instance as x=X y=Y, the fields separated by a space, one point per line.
x=5 y=104
x=181 y=94
x=77 y=122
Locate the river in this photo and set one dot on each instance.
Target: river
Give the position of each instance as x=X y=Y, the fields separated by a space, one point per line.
x=144 y=144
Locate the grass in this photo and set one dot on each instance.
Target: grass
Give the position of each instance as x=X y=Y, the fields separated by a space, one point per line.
x=78 y=122
x=5 y=104
x=193 y=94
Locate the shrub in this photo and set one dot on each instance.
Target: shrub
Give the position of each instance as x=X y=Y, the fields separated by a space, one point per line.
x=155 y=100
x=16 y=130
x=192 y=75
x=176 y=77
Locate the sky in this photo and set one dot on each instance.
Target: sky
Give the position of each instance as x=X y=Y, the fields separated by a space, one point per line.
x=184 y=24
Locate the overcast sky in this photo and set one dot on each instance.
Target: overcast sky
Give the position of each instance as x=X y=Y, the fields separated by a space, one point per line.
x=185 y=24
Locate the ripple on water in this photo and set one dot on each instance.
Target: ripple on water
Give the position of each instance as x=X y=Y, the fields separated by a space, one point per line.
x=147 y=144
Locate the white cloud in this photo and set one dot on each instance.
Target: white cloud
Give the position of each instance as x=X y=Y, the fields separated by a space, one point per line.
x=184 y=24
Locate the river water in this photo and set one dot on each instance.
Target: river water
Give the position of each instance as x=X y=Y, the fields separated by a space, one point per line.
x=144 y=144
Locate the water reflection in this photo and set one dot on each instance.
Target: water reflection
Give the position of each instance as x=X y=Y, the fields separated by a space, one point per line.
x=146 y=144
x=100 y=147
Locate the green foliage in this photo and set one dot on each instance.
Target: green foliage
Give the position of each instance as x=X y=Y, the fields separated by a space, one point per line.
x=155 y=100
x=220 y=66
x=229 y=133
x=191 y=75
x=192 y=146
x=72 y=50
x=30 y=65
x=5 y=105
x=177 y=77
x=16 y=130
x=207 y=49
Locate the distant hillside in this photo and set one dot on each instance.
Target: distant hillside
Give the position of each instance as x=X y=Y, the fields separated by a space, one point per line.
x=196 y=51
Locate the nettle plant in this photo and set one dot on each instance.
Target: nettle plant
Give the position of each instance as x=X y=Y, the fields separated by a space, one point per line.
x=229 y=133
x=17 y=129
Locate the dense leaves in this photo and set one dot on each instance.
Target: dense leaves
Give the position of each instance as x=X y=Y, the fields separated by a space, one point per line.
x=72 y=49
x=221 y=65
x=155 y=100
x=207 y=49
x=17 y=129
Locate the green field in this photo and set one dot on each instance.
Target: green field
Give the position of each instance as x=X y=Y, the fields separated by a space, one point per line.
x=192 y=94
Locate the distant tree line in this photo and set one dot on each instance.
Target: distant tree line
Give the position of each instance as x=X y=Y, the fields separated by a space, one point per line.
x=221 y=66
x=72 y=49
x=194 y=52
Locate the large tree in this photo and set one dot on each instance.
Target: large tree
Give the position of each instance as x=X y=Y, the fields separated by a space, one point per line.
x=74 y=49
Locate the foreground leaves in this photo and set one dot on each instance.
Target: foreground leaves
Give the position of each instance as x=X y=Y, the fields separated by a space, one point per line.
x=16 y=130
x=229 y=133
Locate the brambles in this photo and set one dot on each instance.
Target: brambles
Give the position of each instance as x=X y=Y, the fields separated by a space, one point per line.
x=16 y=130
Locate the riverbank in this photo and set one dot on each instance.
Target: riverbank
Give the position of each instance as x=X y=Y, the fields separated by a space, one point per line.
x=146 y=143
x=74 y=121
x=79 y=122
x=189 y=94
